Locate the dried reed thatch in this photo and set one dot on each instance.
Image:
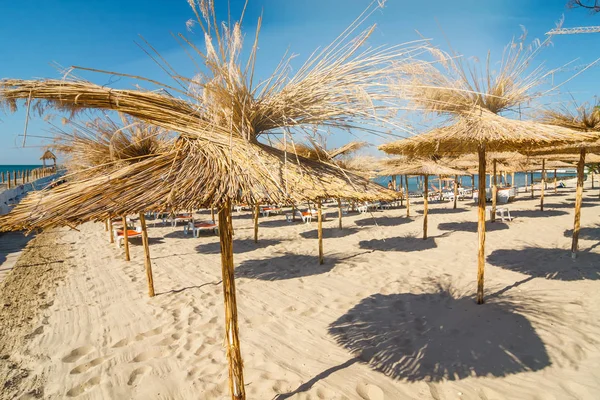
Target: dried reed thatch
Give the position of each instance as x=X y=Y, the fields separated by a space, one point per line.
x=220 y=115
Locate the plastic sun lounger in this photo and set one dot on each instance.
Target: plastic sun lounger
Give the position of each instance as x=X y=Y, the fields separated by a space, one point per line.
x=179 y=218
x=499 y=212
x=120 y=237
x=265 y=211
x=197 y=227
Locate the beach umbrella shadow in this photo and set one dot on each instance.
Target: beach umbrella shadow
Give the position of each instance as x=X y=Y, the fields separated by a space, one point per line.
x=239 y=246
x=435 y=337
x=548 y=263
x=406 y=243
x=433 y=211
x=471 y=226
x=587 y=233
x=329 y=233
x=383 y=221
x=287 y=266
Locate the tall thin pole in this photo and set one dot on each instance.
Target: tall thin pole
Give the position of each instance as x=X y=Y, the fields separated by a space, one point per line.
x=455 y=190
x=401 y=189
x=320 y=230
x=425 y=206
x=481 y=226
x=526 y=184
x=111 y=233
x=126 y=239
x=340 y=212
x=543 y=184
x=592 y=175
x=256 y=212
x=8 y=181
x=472 y=185
x=555 y=185
x=147 y=262
x=407 y=200
x=532 y=184
x=234 y=356
x=512 y=179
x=212 y=214
x=494 y=192
x=578 y=201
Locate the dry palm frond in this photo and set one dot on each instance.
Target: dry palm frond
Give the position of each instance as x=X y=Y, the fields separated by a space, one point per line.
x=102 y=144
x=186 y=179
x=585 y=118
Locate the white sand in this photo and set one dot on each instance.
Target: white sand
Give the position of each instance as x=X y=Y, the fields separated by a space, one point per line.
x=389 y=316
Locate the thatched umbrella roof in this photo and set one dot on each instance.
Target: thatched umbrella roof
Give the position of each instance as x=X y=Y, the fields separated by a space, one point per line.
x=48 y=155
x=415 y=167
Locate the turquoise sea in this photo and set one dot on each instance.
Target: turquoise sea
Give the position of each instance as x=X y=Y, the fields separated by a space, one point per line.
x=11 y=168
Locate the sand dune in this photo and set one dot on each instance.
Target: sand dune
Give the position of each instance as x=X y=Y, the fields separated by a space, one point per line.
x=389 y=316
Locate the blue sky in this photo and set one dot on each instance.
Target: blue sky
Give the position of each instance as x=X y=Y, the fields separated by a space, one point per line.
x=101 y=34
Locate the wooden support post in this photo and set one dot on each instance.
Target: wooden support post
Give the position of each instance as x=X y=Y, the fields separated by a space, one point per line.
x=455 y=190
x=494 y=192
x=543 y=183
x=232 y=339
x=526 y=184
x=407 y=199
x=394 y=182
x=401 y=190
x=105 y=225
x=531 y=184
x=512 y=179
x=578 y=201
x=555 y=182
x=8 y=181
x=125 y=239
x=110 y=229
x=340 y=212
x=472 y=185
x=294 y=212
x=256 y=213
x=147 y=262
x=212 y=214
x=592 y=175
x=320 y=229
x=481 y=227
x=15 y=178
x=425 y=206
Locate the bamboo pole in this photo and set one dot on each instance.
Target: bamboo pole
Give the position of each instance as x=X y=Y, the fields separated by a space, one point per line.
x=401 y=189
x=455 y=190
x=234 y=356
x=543 y=183
x=126 y=239
x=481 y=226
x=212 y=214
x=512 y=179
x=340 y=212
x=578 y=201
x=256 y=212
x=494 y=193
x=425 y=206
x=407 y=199
x=555 y=185
x=472 y=185
x=147 y=262
x=320 y=229
x=526 y=184
x=110 y=230
x=105 y=225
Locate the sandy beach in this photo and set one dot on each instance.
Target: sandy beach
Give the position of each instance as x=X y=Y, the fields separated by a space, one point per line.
x=388 y=316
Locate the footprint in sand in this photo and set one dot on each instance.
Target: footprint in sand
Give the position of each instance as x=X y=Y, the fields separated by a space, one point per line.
x=147 y=355
x=88 y=365
x=77 y=354
x=368 y=391
x=84 y=387
x=138 y=374
x=121 y=343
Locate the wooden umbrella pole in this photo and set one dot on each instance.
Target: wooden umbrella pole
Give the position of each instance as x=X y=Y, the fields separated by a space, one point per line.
x=407 y=199
x=543 y=183
x=455 y=190
x=481 y=226
x=212 y=214
x=425 y=207
x=110 y=230
x=294 y=212
x=512 y=179
x=401 y=189
x=526 y=184
x=555 y=185
x=578 y=201
x=320 y=229
x=147 y=262
x=126 y=239
x=472 y=185
x=340 y=212
x=105 y=225
x=256 y=212
x=592 y=175
x=234 y=356
x=494 y=192
x=531 y=184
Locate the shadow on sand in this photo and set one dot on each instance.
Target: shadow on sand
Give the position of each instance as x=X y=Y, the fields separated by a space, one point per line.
x=547 y=263
x=471 y=226
x=402 y=243
x=537 y=213
x=239 y=246
x=329 y=233
x=434 y=211
x=587 y=233
x=383 y=221
x=287 y=266
x=435 y=336
x=12 y=242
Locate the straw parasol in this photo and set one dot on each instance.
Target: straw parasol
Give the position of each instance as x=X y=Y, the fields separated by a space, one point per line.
x=473 y=101
x=584 y=119
x=48 y=155
x=418 y=167
x=220 y=115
